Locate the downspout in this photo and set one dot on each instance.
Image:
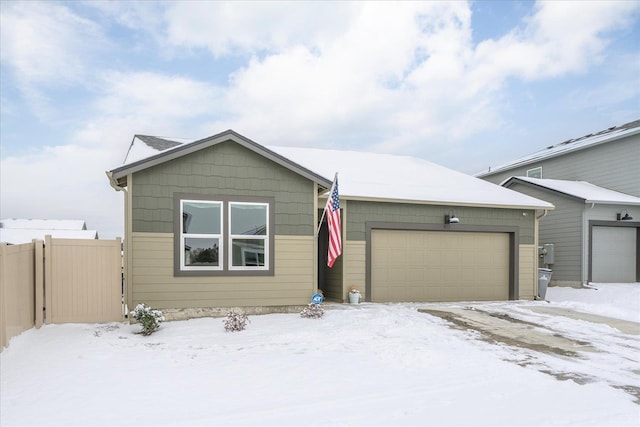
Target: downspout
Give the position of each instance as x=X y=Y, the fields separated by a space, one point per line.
x=125 y=248
x=584 y=273
x=536 y=246
x=542 y=215
x=114 y=183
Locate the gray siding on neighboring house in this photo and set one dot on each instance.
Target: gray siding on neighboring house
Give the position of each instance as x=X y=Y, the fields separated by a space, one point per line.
x=612 y=165
x=563 y=228
x=226 y=169
x=361 y=212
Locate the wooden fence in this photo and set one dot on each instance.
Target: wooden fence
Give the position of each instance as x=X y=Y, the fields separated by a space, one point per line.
x=59 y=281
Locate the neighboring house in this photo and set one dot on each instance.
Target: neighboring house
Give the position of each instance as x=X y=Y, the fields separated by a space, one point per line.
x=226 y=222
x=594 y=183
x=18 y=231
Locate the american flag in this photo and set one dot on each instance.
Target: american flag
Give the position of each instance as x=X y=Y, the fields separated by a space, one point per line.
x=332 y=210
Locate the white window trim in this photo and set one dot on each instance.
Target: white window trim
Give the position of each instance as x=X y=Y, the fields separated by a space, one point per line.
x=184 y=236
x=533 y=170
x=264 y=238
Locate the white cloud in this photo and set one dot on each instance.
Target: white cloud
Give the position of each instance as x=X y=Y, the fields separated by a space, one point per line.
x=393 y=77
x=46 y=43
x=559 y=38
x=62 y=182
x=247 y=27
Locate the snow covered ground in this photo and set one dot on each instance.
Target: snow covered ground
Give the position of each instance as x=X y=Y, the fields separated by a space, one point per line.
x=364 y=365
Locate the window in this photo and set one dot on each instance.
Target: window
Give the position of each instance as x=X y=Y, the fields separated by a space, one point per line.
x=248 y=231
x=201 y=235
x=223 y=235
x=535 y=172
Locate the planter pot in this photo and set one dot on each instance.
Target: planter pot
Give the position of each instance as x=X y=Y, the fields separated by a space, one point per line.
x=354 y=298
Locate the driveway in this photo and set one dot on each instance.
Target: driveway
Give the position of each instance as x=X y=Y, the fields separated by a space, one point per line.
x=555 y=340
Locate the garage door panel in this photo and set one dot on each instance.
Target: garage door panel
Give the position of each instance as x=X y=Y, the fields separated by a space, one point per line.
x=439 y=266
x=614 y=256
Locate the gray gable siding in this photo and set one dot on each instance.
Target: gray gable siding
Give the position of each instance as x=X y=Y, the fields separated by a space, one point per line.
x=563 y=228
x=360 y=212
x=226 y=169
x=612 y=165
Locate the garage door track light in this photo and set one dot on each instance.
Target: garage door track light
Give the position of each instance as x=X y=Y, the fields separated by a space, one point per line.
x=624 y=217
x=451 y=218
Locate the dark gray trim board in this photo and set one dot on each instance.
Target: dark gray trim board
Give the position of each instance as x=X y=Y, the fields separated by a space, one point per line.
x=121 y=172
x=177 y=272
x=514 y=241
x=596 y=223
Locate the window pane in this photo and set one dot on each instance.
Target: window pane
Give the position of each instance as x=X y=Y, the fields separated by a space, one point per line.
x=201 y=218
x=201 y=252
x=248 y=220
x=247 y=252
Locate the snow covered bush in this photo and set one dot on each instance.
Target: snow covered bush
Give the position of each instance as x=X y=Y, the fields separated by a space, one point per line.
x=312 y=311
x=148 y=318
x=236 y=321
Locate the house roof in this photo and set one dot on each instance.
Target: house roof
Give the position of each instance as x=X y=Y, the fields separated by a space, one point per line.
x=611 y=134
x=147 y=155
x=362 y=175
x=579 y=189
x=18 y=231
x=374 y=176
x=43 y=224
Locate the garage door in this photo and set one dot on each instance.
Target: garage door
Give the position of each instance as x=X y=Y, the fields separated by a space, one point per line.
x=613 y=257
x=425 y=266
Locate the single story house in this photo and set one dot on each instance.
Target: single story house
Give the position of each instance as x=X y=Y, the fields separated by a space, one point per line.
x=17 y=231
x=594 y=183
x=227 y=222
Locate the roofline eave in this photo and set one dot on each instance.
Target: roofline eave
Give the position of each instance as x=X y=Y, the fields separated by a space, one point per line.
x=516 y=164
x=444 y=203
x=228 y=135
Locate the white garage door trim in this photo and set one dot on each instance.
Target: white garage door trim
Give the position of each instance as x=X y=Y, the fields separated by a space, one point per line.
x=513 y=238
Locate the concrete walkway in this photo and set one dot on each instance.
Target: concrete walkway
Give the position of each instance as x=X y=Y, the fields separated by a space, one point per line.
x=511 y=331
x=624 y=326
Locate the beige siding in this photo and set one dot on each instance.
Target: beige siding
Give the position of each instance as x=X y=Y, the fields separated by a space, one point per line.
x=528 y=272
x=154 y=284
x=17 y=290
x=354 y=254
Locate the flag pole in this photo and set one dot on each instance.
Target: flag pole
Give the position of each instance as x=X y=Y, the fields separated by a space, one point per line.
x=335 y=178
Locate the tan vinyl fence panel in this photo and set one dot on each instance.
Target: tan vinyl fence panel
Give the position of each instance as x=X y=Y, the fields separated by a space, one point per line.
x=83 y=280
x=17 y=290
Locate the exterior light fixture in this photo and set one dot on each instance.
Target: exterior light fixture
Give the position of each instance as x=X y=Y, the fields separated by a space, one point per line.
x=625 y=217
x=451 y=218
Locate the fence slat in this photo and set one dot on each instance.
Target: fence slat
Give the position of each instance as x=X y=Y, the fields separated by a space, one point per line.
x=39 y=282
x=17 y=290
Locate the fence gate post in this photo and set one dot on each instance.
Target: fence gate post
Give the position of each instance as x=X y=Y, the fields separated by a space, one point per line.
x=47 y=280
x=39 y=279
x=4 y=340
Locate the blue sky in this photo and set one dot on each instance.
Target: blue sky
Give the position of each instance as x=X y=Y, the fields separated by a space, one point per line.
x=465 y=85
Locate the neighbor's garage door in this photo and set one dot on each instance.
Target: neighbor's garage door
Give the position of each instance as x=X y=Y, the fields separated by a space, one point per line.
x=613 y=255
x=439 y=266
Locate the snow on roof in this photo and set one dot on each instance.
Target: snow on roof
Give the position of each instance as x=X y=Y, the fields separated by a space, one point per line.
x=144 y=146
x=385 y=176
x=611 y=134
x=582 y=189
x=379 y=176
x=16 y=236
x=43 y=224
x=17 y=231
